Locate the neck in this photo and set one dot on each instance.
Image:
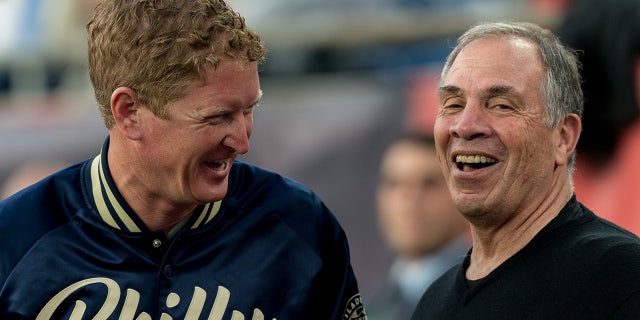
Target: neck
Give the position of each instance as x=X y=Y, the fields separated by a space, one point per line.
x=493 y=245
x=156 y=212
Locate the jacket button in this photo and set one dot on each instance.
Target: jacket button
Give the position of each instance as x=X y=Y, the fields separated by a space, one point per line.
x=168 y=271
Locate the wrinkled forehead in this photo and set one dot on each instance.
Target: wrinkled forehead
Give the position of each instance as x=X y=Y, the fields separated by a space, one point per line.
x=499 y=61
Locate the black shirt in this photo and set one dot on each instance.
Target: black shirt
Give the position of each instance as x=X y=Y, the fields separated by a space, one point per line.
x=579 y=266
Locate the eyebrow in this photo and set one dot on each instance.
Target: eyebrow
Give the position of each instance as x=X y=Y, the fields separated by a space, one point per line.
x=500 y=90
x=449 y=90
x=493 y=90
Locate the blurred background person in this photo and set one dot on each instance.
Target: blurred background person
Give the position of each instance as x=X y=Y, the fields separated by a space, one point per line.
x=607 y=36
x=420 y=223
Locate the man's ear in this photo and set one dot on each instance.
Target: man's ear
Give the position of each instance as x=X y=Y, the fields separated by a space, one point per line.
x=125 y=108
x=570 y=129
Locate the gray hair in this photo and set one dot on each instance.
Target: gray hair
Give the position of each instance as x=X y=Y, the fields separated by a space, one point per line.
x=560 y=90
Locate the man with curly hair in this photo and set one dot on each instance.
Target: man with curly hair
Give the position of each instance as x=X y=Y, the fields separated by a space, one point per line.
x=165 y=223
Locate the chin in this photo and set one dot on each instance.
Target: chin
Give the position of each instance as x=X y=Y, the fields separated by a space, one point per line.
x=210 y=194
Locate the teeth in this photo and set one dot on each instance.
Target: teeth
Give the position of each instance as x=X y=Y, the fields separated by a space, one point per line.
x=474 y=159
x=217 y=164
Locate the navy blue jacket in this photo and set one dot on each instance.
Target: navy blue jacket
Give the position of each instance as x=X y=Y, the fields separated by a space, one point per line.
x=71 y=248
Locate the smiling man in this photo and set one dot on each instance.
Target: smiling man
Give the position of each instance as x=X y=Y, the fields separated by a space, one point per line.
x=506 y=132
x=165 y=223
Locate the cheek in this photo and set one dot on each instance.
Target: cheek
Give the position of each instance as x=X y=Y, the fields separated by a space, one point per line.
x=440 y=129
x=439 y=207
x=540 y=142
x=441 y=137
x=538 y=156
x=387 y=202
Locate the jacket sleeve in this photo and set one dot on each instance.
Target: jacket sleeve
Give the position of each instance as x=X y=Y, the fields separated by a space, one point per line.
x=338 y=296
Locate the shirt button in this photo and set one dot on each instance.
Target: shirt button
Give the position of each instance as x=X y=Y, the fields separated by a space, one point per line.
x=157 y=243
x=168 y=270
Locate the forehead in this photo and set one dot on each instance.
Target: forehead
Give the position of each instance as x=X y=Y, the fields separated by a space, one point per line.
x=497 y=61
x=233 y=79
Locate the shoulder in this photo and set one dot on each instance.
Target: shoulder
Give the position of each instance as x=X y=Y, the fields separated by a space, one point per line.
x=51 y=193
x=607 y=252
x=606 y=236
x=589 y=240
x=442 y=297
x=47 y=198
x=609 y=256
x=244 y=175
x=255 y=188
x=613 y=247
x=36 y=210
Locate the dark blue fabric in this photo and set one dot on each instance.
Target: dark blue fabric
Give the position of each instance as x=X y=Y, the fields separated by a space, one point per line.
x=273 y=247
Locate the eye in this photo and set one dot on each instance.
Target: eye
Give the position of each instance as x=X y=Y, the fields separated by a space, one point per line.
x=214 y=119
x=452 y=104
x=501 y=104
x=502 y=107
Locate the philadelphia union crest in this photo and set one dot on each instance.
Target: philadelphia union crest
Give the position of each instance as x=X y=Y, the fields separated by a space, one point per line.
x=354 y=309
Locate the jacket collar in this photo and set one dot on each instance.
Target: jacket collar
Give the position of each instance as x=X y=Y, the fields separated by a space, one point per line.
x=115 y=212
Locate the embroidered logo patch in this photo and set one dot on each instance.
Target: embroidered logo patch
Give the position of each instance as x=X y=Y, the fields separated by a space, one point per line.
x=354 y=309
